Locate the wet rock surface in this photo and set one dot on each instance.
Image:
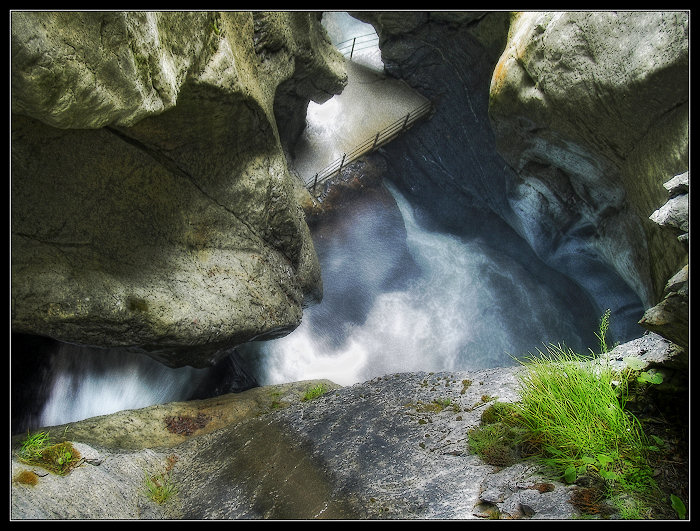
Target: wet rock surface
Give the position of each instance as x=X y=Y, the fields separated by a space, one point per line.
x=394 y=447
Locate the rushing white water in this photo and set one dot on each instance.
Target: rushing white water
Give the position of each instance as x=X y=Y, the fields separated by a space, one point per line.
x=463 y=305
x=86 y=382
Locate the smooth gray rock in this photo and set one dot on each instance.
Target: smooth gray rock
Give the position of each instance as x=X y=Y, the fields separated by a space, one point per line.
x=379 y=449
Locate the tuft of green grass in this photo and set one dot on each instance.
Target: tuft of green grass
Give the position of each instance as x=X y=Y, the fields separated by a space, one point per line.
x=33 y=444
x=314 y=392
x=572 y=417
x=574 y=409
x=159 y=487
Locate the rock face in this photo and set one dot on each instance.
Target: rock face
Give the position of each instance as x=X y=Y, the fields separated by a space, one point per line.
x=591 y=110
x=558 y=127
x=381 y=449
x=671 y=317
x=152 y=207
x=372 y=450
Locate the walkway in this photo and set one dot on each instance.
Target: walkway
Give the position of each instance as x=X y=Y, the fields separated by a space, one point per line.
x=369 y=103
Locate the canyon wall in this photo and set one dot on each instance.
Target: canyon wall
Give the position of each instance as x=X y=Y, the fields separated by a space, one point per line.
x=559 y=127
x=152 y=207
x=591 y=110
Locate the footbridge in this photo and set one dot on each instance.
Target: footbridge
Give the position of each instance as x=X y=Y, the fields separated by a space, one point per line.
x=372 y=110
x=370 y=144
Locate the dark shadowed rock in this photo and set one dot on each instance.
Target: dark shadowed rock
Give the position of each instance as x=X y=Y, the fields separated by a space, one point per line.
x=559 y=127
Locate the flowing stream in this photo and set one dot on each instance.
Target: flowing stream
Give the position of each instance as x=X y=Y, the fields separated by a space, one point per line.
x=399 y=297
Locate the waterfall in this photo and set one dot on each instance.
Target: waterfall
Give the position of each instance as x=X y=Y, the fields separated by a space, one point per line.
x=399 y=297
x=55 y=383
x=86 y=382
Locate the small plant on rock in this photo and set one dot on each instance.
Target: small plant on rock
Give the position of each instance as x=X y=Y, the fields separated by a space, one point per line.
x=32 y=446
x=603 y=331
x=59 y=458
x=314 y=392
x=159 y=487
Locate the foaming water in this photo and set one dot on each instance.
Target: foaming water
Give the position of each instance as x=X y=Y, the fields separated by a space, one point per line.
x=454 y=304
x=86 y=382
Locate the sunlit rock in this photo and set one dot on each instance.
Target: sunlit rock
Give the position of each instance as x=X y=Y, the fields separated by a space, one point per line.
x=671 y=316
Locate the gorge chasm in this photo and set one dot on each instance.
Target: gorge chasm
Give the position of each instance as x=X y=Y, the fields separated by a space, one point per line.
x=157 y=221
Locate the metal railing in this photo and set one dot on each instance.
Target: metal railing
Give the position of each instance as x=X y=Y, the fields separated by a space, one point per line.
x=382 y=137
x=357 y=44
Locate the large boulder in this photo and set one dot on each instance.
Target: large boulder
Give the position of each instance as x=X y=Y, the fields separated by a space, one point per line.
x=152 y=207
x=394 y=447
x=591 y=110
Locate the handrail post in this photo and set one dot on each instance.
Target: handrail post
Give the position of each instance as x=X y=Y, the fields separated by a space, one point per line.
x=376 y=139
x=353 y=47
x=405 y=122
x=340 y=168
x=315 y=180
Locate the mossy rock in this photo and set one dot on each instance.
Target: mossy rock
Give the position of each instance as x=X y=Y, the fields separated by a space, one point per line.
x=59 y=458
x=504 y=412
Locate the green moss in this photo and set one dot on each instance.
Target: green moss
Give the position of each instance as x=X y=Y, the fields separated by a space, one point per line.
x=436 y=406
x=275 y=400
x=314 y=392
x=26 y=477
x=58 y=458
x=504 y=412
x=498 y=444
